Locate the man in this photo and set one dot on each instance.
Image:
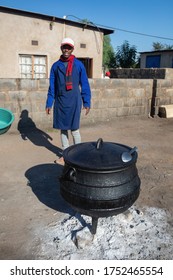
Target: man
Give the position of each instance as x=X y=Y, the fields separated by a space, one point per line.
x=68 y=90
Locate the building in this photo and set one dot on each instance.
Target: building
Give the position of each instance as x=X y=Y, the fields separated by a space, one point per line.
x=156 y=59
x=30 y=43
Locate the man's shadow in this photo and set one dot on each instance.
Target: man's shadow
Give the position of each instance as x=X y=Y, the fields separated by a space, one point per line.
x=43 y=179
x=28 y=131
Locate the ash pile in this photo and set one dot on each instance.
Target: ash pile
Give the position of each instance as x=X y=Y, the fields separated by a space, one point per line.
x=136 y=234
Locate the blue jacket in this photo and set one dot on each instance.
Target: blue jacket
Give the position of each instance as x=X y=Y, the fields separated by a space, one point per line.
x=67 y=104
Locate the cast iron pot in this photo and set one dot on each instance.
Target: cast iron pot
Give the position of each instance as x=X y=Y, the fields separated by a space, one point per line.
x=97 y=181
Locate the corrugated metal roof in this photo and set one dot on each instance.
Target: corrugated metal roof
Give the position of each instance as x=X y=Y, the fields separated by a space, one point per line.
x=158 y=51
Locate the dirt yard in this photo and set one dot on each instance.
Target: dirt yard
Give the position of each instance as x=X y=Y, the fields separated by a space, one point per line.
x=30 y=200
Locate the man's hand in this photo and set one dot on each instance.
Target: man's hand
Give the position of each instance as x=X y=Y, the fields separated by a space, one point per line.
x=48 y=111
x=87 y=110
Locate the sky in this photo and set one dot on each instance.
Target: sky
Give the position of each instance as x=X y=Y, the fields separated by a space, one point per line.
x=153 y=19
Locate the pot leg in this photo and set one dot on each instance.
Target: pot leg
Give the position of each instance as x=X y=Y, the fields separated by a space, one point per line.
x=94 y=225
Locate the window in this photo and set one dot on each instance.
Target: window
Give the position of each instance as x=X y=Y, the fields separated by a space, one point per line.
x=83 y=46
x=33 y=66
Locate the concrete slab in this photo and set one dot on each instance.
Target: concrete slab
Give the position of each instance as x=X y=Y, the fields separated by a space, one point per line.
x=166 y=111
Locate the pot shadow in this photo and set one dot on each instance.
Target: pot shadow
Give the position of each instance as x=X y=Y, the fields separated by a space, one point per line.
x=29 y=131
x=43 y=179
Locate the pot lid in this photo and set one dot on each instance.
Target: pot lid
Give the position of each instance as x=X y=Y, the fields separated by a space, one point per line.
x=100 y=155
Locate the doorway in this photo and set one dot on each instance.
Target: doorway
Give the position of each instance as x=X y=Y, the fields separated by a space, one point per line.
x=88 y=63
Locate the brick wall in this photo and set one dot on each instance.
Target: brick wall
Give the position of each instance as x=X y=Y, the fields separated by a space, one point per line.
x=111 y=98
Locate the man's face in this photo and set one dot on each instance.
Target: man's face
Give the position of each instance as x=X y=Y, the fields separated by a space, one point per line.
x=66 y=50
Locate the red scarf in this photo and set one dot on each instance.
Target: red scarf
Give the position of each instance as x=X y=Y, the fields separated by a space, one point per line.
x=69 y=69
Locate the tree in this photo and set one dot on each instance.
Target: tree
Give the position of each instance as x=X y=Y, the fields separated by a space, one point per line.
x=126 y=56
x=158 y=46
x=108 y=53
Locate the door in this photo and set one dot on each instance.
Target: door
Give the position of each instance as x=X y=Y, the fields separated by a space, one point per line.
x=153 y=61
x=88 y=63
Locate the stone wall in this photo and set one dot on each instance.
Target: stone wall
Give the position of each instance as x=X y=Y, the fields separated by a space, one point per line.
x=111 y=98
x=142 y=73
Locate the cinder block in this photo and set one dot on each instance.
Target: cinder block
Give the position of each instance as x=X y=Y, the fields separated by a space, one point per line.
x=166 y=111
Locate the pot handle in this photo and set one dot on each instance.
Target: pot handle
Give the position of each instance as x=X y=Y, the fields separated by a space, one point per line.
x=70 y=174
x=99 y=143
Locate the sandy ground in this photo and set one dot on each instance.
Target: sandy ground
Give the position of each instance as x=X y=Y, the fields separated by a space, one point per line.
x=30 y=201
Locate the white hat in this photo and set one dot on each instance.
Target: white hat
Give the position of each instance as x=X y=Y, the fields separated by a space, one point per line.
x=67 y=41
